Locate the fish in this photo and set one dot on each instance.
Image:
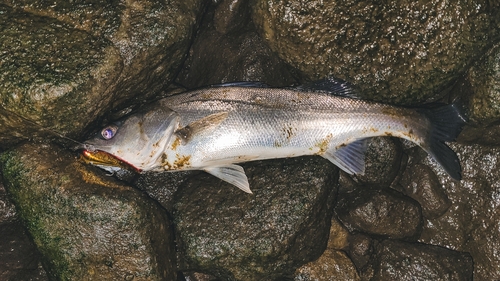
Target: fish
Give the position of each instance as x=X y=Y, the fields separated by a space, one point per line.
x=215 y=128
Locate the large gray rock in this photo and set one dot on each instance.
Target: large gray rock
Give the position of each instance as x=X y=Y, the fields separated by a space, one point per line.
x=484 y=77
x=218 y=55
x=332 y=265
x=421 y=183
x=64 y=64
x=19 y=258
x=86 y=226
x=396 y=51
x=471 y=223
x=260 y=236
x=396 y=260
x=380 y=212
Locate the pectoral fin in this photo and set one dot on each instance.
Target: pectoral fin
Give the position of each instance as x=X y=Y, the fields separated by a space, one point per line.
x=349 y=158
x=232 y=174
x=206 y=123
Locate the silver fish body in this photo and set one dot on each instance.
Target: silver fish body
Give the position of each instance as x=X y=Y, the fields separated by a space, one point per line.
x=215 y=128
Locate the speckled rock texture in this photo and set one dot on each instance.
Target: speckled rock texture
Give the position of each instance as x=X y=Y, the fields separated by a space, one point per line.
x=398 y=51
x=259 y=236
x=382 y=161
x=19 y=258
x=64 y=64
x=381 y=212
x=219 y=54
x=471 y=222
x=484 y=77
x=396 y=260
x=332 y=265
x=86 y=226
x=71 y=65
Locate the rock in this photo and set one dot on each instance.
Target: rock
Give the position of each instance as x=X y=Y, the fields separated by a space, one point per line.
x=231 y=16
x=484 y=77
x=471 y=223
x=382 y=161
x=383 y=212
x=338 y=236
x=396 y=52
x=421 y=183
x=360 y=249
x=217 y=57
x=238 y=236
x=487 y=135
x=19 y=259
x=163 y=186
x=85 y=225
x=396 y=260
x=7 y=208
x=64 y=64
x=332 y=265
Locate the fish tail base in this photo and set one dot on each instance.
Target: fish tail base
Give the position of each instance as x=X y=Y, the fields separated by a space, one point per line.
x=446 y=124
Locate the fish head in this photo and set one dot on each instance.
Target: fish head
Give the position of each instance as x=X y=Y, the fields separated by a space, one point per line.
x=137 y=141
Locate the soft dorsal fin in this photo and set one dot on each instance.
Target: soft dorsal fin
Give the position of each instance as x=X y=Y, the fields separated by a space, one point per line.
x=331 y=85
x=349 y=158
x=232 y=174
x=206 y=123
x=248 y=84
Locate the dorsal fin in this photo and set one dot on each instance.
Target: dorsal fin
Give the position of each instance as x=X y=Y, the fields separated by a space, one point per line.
x=331 y=85
x=247 y=84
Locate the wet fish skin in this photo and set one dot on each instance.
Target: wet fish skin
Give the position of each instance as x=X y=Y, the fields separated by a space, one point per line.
x=214 y=128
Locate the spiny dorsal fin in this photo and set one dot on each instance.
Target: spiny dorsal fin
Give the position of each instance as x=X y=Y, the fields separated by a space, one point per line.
x=331 y=85
x=245 y=84
x=206 y=123
x=232 y=174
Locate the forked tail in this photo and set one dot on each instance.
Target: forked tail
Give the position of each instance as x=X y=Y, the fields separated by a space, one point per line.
x=446 y=123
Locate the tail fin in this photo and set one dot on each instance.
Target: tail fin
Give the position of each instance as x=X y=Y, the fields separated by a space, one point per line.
x=446 y=123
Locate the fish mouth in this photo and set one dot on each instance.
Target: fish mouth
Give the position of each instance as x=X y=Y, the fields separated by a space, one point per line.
x=102 y=158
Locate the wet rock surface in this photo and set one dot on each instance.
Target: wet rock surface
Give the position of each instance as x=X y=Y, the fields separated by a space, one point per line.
x=396 y=260
x=382 y=161
x=86 y=226
x=471 y=222
x=19 y=258
x=219 y=55
x=265 y=235
x=339 y=267
x=484 y=77
x=63 y=65
x=382 y=212
x=396 y=52
x=422 y=184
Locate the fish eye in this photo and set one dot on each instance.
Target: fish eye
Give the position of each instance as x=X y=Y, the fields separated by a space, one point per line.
x=109 y=132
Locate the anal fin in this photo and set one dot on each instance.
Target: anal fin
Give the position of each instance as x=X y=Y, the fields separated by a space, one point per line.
x=349 y=158
x=232 y=174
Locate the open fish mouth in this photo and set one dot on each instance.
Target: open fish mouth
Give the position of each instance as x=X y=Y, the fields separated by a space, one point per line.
x=103 y=159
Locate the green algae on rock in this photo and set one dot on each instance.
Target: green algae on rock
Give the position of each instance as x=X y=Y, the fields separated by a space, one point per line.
x=85 y=225
x=62 y=72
